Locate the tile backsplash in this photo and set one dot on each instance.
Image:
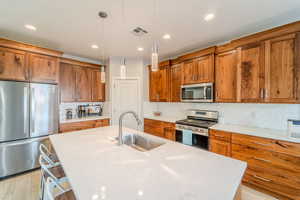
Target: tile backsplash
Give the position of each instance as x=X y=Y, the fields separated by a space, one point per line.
x=73 y=106
x=272 y=116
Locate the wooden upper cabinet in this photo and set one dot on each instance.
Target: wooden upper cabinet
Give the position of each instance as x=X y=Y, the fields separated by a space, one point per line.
x=250 y=73
x=44 y=69
x=176 y=80
x=204 y=72
x=67 y=82
x=83 y=88
x=13 y=65
x=199 y=70
x=164 y=84
x=226 y=74
x=159 y=84
x=153 y=85
x=282 y=68
x=98 y=88
x=189 y=71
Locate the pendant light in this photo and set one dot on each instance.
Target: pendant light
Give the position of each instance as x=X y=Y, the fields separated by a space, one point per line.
x=123 y=61
x=103 y=16
x=154 y=58
x=154 y=54
x=123 y=69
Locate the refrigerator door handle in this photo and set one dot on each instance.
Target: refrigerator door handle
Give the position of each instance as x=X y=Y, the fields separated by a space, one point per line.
x=26 y=124
x=32 y=113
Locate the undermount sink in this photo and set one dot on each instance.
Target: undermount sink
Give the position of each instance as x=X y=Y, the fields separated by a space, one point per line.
x=141 y=143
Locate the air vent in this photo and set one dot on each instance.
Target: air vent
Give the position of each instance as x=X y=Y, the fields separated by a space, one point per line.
x=138 y=31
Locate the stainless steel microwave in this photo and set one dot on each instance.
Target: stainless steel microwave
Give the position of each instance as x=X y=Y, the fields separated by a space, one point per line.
x=197 y=93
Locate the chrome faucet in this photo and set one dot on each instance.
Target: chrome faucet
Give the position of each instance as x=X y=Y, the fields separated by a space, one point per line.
x=139 y=122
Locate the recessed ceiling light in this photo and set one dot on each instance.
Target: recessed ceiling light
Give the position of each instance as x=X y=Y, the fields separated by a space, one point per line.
x=94 y=46
x=140 y=49
x=209 y=17
x=30 y=27
x=167 y=36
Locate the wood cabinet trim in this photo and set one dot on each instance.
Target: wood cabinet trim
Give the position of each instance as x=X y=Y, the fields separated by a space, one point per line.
x=29 y=48
x=261 y=36
x=80 y=63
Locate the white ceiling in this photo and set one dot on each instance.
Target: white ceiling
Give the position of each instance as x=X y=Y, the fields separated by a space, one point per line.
x=72 y=26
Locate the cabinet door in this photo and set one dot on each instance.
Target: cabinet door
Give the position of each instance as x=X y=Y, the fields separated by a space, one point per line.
x=13 y=65
x=204 y=69
x=169 y=133
x=250 y=73
x=189 y=72
x=176 y=73
x=220 y=147
x=67 y=83
x=44 y=69
x=226 y=68
x=153 y=85
x=282 y=69
x=163 y=86
x=83 y=84
x=98 y=88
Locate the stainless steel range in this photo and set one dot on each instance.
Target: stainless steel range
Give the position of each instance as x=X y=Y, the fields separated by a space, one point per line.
x=197 y=122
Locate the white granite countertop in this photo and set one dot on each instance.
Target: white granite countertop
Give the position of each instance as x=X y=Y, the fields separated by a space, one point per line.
x=62 y=121
x=259 y=132
x=98 y=168
x=164 y=118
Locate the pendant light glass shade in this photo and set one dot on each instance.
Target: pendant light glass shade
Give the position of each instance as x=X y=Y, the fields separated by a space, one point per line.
x=123 y=69
x=154 y=58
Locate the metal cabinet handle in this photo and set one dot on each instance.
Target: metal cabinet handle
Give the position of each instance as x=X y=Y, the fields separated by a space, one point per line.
x=25 y=110
x=261 y=144
x=32 y=117
x=262 y=93
x=221 y=136
x=261 y=159
x=262 y=179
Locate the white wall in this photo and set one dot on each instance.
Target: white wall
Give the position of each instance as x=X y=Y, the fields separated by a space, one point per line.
x=135 y=68
x=272 y=116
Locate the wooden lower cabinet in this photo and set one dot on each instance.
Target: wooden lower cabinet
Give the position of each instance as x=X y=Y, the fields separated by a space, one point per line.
x=160 y=128
x=77 y=126
x=220 y=147
x=273 y=165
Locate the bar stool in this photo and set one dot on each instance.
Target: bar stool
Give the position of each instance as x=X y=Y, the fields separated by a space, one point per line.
x=55 y=192
x=50 y=167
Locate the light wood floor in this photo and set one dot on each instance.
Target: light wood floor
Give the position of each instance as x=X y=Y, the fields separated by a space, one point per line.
x=26 y=187
x=22 y=187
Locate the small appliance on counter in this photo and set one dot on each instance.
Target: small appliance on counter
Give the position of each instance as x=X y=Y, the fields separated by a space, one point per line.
x=81 y=111
x=69 y=113
x=294 y=128
x=89 y=110
x=95 y=110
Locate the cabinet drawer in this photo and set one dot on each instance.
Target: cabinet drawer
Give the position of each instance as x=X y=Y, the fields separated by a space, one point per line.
x=102 y=122
x=220 y=135
x=76 y=126
x=151 y=122
x=268 y=159
x=259 y=179
x=252 y=141
x=276 y=175
x=289 y=148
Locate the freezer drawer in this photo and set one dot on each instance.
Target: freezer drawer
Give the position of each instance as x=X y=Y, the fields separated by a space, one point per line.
x=20 y=156
x=43 y=109
x=14 y=111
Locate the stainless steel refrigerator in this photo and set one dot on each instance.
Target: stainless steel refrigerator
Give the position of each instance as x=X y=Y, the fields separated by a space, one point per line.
x=28 y=115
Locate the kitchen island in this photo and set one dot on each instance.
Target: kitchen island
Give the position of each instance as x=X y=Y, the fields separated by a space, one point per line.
x=98 y=168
